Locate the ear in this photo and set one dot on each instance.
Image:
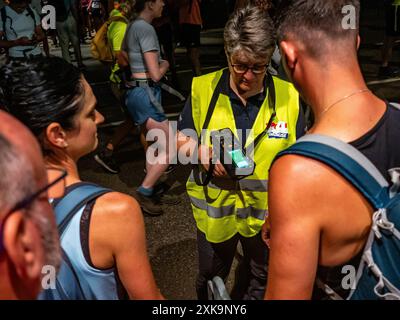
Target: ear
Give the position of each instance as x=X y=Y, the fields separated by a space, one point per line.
x=150 y=4
x=22 y=243
x=289 y=53
x=56 y=135
x=358 y=41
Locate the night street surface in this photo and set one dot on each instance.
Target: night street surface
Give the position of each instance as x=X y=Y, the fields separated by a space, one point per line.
x=171 y=238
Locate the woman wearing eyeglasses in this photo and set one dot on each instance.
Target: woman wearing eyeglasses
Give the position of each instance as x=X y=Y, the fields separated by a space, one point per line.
x=105 y=240
x=260 y=110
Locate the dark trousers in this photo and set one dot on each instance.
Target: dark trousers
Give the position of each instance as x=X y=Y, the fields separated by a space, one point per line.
x=215 y=259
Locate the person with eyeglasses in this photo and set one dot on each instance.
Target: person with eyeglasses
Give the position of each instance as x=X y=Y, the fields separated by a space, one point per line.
x=105 y=239
x=28 y=235
x=251 y=103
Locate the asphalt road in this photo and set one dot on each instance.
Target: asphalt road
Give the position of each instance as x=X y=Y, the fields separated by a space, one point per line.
x=171 y=238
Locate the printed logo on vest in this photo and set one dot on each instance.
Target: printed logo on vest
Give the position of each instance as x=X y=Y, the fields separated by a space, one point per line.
x=278 y=130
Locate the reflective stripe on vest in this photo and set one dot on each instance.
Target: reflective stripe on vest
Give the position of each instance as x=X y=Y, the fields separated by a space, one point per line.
x=224 y=211
x=226 y=207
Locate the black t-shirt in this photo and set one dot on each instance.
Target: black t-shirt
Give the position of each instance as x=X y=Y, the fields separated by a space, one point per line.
x=381 y=145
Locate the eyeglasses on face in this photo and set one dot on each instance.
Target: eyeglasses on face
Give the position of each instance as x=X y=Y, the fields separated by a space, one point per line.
x=243 y=68
x=54 y=189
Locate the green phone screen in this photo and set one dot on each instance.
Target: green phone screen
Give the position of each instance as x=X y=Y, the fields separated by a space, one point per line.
x=238 y=158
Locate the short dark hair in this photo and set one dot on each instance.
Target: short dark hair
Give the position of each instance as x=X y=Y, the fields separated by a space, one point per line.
x=140 y=5
x=315 y=21
x=41 y=91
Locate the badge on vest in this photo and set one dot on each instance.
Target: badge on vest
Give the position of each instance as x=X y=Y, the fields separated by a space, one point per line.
x=278 y=130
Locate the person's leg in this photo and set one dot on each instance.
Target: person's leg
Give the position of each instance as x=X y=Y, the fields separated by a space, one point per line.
x=251 y=276
x=157 y=128
x=125 y=127
x=153 y=123
x=215 y=259
x=194 y=57
x=194 y=52
x=46 y=47
x=105 y=156
x=53 y=35
x=81 y=28
x=97 y=19
x=120 y=133
x=157 y=155
x=190 y=36
x=143 y=141
x=63 y=36
x=74 y=38
x=387 y=50
x=165 y=37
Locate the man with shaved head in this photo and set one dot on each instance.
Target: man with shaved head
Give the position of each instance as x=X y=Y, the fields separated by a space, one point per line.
x=319 y=221
x=28 y=236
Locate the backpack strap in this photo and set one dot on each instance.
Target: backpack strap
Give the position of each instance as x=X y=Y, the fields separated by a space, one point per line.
x=395 y=105
x=31 y=14
x=71 y=203
x=347 y=161
x=213 y=102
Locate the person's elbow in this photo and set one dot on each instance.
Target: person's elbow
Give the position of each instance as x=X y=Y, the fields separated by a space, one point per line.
x=156 y=76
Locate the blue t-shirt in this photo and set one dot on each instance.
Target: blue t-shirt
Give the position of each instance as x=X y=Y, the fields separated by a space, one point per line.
x=20 y=25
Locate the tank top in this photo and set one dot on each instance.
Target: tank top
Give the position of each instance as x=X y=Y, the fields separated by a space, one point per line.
x=381 y=146
x=98 y=284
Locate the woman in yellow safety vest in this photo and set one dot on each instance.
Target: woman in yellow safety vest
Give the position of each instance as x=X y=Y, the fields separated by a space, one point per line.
x=263 y=113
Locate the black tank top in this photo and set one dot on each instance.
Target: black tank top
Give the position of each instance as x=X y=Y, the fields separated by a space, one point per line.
x=381 y=145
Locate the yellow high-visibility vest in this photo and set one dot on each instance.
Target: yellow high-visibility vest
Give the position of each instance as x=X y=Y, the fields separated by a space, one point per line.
x=225 y=207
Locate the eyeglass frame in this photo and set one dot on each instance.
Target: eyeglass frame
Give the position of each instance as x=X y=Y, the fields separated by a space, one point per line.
x=233 y=65
x=28 y=200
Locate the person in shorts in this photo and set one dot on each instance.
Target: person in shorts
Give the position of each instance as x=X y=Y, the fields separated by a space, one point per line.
x=143 y=100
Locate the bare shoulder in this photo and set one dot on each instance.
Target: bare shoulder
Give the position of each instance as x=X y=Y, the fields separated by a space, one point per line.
x=116 y=225
x=299 y=183
x=117 y=205
x=294 y=171
x=303 y=189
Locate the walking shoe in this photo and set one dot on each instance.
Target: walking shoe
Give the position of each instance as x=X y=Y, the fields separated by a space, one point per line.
x=169 y=199
x=107 y=162
x=388 y=72
x=150 y=205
